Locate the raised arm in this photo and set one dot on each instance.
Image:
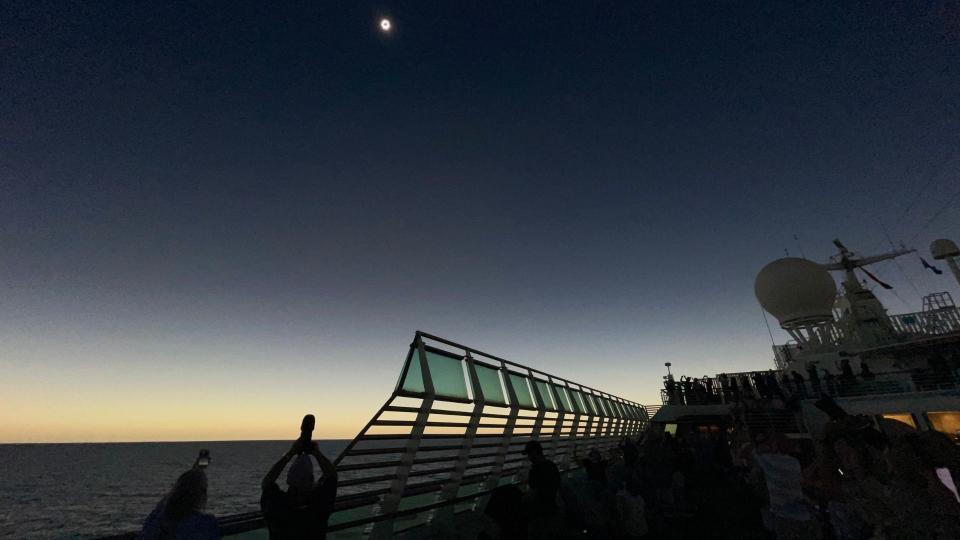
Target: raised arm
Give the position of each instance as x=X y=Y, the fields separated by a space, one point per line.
x=328 y=468
x=278 y=467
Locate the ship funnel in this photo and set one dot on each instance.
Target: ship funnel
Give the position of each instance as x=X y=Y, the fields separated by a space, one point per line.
x=798 y=292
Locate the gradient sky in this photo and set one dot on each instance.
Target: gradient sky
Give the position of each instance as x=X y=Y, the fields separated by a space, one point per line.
x=216 y=217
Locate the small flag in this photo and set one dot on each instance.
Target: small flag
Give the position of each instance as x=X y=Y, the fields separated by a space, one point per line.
x=930 y=267
x=875 y=278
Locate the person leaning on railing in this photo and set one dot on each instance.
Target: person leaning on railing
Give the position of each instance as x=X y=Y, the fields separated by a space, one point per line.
x=301 y=512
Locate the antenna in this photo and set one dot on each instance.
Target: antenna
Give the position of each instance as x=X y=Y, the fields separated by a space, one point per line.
x=799 y=246
x=848 y=261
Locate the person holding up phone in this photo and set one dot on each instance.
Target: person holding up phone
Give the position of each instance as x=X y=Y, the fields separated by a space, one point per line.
x=301 y=512
x=179 y=515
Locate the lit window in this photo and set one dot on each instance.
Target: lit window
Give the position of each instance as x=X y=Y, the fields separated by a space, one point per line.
x=903 y=418
x=946 y=422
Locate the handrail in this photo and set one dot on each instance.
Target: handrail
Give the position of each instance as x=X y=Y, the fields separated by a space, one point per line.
x=382 y=462
x=761 y=384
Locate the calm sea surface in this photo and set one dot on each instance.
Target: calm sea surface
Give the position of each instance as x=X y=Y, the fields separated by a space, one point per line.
x=86 y=490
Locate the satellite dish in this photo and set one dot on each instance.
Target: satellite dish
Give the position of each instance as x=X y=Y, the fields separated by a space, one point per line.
x=796 y=291
x=944 y=249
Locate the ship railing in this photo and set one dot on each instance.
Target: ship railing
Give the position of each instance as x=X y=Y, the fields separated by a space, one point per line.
x=452 y=431
x=760 y=385
x=927 y=323
x=900 y=382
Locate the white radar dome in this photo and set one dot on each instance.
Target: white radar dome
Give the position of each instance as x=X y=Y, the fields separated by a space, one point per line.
x=943 y=248
x=796 y=291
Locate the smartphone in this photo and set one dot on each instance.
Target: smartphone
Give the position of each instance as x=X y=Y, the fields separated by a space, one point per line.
x=306 y=432
x=204 y=459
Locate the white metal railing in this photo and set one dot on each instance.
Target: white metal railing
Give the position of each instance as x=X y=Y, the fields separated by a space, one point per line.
x=441 y=437
x=443 y=442
x=927 y=323
x=903 y=328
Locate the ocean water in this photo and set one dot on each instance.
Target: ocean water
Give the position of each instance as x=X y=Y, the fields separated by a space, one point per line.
x=74 y=491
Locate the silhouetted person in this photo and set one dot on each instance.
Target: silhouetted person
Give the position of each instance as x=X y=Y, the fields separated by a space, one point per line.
x=685 y=386
x=814 y=378
x=699 y=392
x=724 y=386
x=940 y=373
x=595 y=467
x=544 y=477
x=301 y=512
x=847 y=378
x=595 y=498
x=631 y=454
x=845 y=370
x=543 y=513
x=831 y=381
x=773 y=387
x=671 y=386
x=179 y=516
x=798 y=380
x=735 y=387
x=759 y=383
x=505 y=509
x=632 y=510
x=865 y=372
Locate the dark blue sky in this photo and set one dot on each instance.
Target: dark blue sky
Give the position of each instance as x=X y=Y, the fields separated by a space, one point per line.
x=283 y=188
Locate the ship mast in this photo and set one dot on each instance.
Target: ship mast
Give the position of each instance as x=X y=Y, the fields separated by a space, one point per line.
x=861 y=313
x=847 y=262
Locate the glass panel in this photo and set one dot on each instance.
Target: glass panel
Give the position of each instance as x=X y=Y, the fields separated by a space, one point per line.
x=353 y=533
x=578 y=401
x=546 y=395
x=614 y=410
x=447 y=375
x=414 y=379
x=489 y=379
x=604 y=406
x=564 y=396
x=615 y=407
x=445 y=371
x=520 y=388
x=591 y=404
x=350 y=514
x=414 y=501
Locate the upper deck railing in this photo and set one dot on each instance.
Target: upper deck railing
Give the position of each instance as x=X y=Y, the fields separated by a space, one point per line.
x=452 y=431
x=904 y=328
x=733 y=387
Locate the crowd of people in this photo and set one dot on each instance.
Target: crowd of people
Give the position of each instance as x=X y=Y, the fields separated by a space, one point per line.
x=300 y=512
x=814 y=381
x=658 y=486
x=854 y=483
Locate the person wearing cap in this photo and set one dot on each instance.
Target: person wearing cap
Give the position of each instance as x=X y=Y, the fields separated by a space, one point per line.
x=301 y=512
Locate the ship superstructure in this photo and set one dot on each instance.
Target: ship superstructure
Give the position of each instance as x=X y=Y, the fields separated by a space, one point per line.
x=845 y=345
